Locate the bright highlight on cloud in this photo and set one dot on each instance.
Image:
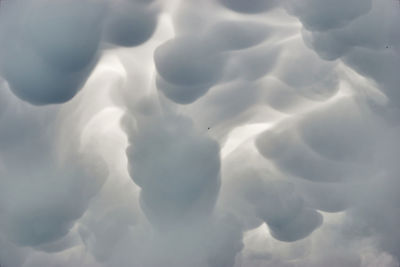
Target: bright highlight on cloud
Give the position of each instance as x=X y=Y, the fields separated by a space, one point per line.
x=216 y=133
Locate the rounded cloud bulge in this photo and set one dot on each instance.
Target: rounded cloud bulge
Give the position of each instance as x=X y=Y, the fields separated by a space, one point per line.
x=177 y=169
x=49 y=48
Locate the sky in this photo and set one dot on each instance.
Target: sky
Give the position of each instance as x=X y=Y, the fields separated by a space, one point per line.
x=213 y=133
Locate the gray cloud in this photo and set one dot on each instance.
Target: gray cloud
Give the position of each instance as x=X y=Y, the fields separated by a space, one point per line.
x=56 y=45
x=43 y=192
x=252 y=6
x=218 y=133
x=130 y=23
x=171 y=192
x=53 y=45
x=187 y=68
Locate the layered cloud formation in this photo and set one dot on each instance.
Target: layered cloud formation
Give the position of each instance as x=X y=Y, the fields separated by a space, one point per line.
x=216 y=133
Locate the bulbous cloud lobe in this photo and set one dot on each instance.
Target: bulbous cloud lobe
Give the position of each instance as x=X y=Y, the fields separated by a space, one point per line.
x=49 y=48
x=252 y=6
x=42 y=193
x=178 y=174
x=130 y=23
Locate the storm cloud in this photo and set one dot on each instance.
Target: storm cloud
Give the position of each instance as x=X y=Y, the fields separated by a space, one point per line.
x=216 y=133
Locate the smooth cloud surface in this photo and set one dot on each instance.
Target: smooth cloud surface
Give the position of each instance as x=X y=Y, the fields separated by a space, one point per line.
x=217 y=133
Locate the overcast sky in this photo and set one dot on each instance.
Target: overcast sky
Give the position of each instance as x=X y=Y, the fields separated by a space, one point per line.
x=211 y=133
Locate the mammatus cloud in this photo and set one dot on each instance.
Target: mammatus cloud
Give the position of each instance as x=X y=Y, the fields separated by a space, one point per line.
x=169 y=192
x=217 y=133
